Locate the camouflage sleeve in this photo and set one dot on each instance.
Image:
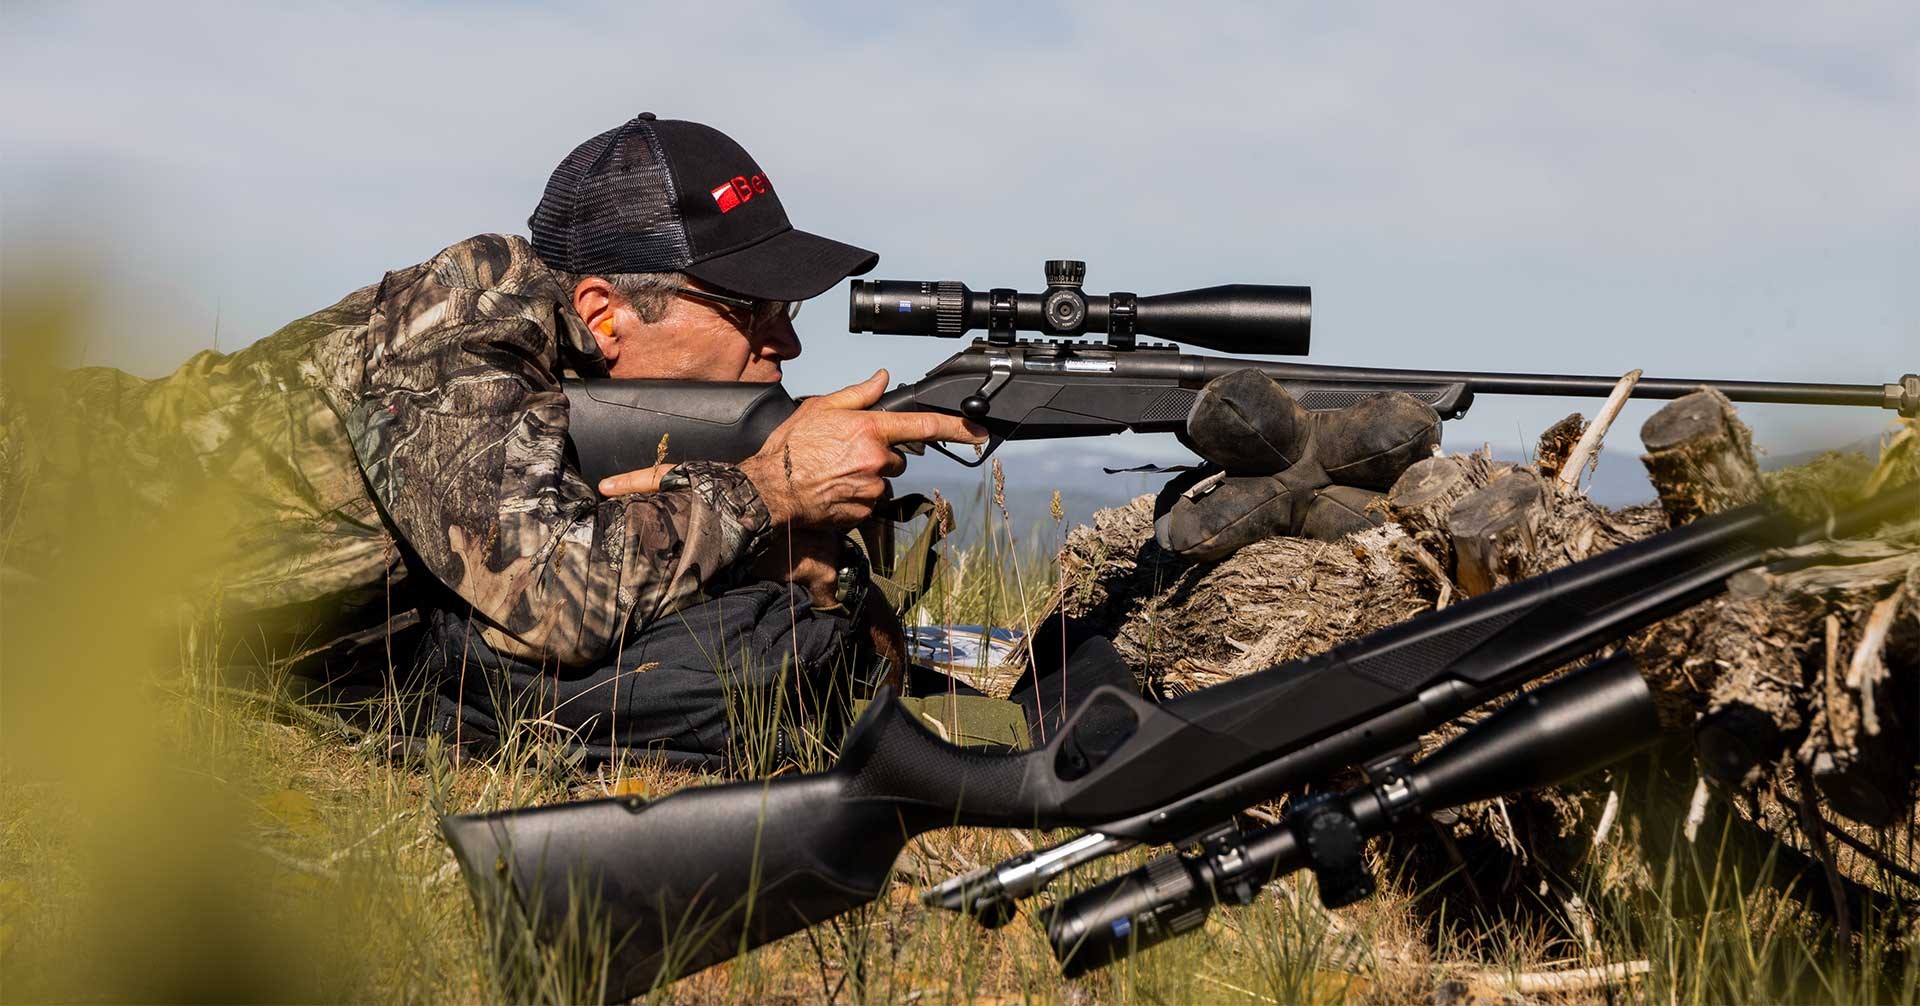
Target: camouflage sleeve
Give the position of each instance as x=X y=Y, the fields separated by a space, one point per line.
x=464 y=443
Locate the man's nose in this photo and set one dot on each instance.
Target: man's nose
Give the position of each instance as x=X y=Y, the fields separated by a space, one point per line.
x=779 y=340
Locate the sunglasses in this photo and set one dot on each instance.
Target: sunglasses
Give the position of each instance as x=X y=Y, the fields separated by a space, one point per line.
x=758 y=312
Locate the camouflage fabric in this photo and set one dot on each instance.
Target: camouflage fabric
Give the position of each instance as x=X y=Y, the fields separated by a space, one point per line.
x=416 y=426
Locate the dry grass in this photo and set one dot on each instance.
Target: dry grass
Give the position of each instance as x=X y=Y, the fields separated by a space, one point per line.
x=244 y=849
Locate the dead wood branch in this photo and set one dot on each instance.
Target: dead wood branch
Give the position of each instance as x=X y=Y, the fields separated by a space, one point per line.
x=1585 y=450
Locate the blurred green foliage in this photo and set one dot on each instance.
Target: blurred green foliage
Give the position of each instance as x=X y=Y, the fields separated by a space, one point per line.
x=132 y=852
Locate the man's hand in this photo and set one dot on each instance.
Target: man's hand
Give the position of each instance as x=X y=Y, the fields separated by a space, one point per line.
x=827 y=465
x=807 y=556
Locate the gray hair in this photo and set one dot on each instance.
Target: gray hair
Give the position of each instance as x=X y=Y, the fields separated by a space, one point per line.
x=646 y=292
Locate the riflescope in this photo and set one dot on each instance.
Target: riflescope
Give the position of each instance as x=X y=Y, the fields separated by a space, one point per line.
x=1239 y=318
x=1568 y=728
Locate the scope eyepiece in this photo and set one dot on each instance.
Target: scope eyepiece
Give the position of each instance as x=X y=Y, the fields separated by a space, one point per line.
x=1242 y=319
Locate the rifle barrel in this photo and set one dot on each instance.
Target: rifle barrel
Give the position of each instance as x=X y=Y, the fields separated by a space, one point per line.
x=1871 y=395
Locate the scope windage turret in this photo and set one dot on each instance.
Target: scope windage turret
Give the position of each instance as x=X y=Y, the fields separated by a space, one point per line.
x=1240 y=318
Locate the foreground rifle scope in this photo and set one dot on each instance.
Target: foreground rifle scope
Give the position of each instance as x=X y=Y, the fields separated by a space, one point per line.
x=1240 y=318
x=1579 y=723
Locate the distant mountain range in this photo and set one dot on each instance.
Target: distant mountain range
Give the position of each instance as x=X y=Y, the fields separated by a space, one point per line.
x=1034 y=473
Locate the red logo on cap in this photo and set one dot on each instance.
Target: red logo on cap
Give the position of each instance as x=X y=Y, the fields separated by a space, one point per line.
x=738 y=190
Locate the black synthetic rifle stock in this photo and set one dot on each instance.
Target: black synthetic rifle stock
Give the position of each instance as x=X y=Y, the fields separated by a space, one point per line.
x=1038 y=389
x=697 y=877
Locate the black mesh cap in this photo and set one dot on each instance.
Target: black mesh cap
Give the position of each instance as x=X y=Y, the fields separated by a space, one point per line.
x=668 y=196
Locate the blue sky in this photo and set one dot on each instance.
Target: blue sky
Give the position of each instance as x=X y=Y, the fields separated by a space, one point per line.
x=1711 y=191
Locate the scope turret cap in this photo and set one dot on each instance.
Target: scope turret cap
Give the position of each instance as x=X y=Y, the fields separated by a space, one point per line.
x=661 y=195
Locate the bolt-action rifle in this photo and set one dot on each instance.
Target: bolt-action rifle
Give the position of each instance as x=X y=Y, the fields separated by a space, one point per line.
x=700 y=876
x=1037 y=389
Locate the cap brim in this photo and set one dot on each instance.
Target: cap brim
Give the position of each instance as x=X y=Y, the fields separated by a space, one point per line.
x=791 y=265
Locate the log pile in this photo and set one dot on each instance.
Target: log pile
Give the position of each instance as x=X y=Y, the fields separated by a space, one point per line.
x=1183 y=626
x=1808 y=671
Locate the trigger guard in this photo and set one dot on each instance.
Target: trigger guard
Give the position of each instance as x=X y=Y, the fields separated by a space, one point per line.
x=994 y=440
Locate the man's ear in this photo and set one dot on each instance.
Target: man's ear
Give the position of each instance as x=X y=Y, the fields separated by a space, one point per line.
x=595 y=301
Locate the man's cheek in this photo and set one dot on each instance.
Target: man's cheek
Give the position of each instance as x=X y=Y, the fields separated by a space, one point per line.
x=744 y=365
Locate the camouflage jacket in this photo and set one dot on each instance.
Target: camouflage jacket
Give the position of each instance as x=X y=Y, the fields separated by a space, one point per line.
x=418 y=426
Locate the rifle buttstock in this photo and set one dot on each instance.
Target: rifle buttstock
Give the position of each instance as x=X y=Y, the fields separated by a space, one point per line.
x=663 y=889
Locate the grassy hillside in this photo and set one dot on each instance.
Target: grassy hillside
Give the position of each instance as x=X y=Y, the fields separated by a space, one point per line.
x=180 y=838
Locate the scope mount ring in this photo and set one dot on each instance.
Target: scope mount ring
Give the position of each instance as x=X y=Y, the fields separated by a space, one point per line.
x=1001 y=304
x=1122 y=310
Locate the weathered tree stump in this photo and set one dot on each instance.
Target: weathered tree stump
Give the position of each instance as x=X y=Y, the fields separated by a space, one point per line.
x=1422 y=499
x=1700 y=456
x=1556 y=444
x=1495 y=529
